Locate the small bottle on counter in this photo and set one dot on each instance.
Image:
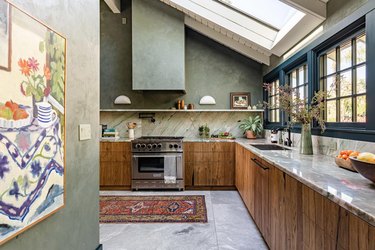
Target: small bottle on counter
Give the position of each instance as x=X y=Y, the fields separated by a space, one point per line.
x=178 y=104
x=182 y=104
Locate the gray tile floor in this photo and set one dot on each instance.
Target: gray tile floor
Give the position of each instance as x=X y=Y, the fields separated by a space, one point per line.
x=229 y=227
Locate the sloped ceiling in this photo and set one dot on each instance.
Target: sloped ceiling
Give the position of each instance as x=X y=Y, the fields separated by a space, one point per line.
x=243 y=33
x=246 y=34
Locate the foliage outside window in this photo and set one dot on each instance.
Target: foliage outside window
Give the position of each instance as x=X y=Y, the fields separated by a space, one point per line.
x=343 y=77
x=273 y=100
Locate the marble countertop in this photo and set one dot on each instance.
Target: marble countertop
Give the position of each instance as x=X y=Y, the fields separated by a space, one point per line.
x=319 y=172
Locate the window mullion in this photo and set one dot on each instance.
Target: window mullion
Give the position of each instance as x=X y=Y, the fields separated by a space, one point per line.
x=338 y=84
x=354 y=100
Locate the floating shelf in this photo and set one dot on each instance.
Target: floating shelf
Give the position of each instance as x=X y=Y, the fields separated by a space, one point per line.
x=182 y=110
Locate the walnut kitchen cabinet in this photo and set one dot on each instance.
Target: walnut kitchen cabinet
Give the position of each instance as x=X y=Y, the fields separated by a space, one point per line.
x=115 y=165
x=291 y=215
x=209 y=164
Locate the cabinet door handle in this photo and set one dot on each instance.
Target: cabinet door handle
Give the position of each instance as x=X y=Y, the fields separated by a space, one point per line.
x=259 y=164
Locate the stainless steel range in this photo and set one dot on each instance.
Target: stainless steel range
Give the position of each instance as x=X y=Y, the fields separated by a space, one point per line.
x=157 y=163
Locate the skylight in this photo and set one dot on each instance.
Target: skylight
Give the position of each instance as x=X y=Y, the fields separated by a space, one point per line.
x=271 y=12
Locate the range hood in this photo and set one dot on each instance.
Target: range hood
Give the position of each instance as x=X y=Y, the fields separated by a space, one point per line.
x=158 y=46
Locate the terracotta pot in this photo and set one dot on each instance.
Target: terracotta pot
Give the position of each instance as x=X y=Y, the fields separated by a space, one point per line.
x=250 y=135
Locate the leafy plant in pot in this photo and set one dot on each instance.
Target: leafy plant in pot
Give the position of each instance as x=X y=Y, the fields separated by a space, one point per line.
x=252 y=127
x=204 y=131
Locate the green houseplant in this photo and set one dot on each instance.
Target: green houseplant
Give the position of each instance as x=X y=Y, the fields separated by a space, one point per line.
x=204 y=131
x=252 y=127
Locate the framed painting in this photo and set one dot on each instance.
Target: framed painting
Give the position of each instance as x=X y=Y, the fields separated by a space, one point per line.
x=32 y=123
x=5 y=36
x=239 y=100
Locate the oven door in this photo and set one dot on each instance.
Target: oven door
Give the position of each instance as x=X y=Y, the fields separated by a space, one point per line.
x=151 y=166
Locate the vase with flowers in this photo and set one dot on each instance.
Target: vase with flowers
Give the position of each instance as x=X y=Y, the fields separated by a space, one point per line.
x=36 y=84
x=300 y=111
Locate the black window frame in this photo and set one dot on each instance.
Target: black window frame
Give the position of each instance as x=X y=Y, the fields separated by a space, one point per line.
x=349 y=38
x=359 y=21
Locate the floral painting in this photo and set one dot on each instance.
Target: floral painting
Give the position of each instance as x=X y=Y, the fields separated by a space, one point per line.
x=32 y=120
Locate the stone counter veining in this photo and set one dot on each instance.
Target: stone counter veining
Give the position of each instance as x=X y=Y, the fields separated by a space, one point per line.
x=319 y=172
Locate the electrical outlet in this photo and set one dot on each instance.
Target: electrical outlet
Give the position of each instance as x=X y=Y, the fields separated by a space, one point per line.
x=84 y=132
x=124 y=20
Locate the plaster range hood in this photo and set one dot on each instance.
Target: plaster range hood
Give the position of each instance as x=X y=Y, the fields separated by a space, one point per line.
x=158 y=34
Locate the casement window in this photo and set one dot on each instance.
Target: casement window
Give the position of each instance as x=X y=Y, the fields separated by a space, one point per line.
x=342 y=73
x=273 y=100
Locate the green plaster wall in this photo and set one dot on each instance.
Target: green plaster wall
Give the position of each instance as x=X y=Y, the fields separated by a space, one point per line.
x=210 y=68
x=76 y=225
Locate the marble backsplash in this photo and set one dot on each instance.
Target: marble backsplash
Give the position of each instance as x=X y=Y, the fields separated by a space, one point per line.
x=331 y=146
x=176 y=123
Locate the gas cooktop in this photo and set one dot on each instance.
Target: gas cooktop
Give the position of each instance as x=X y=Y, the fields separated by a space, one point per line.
x=160 y=144
x=159 y=138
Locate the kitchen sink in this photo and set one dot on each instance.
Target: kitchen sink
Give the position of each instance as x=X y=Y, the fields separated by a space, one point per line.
x=268 y=147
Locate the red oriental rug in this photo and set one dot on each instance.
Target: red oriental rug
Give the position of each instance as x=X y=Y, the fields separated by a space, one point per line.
x=153 y=209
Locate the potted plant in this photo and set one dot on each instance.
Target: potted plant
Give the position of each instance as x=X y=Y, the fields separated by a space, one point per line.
x=302 y=112
x=204 y=131
x=252 y=127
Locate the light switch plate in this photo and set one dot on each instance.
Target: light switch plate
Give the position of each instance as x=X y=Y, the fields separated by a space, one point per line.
x=84 y=132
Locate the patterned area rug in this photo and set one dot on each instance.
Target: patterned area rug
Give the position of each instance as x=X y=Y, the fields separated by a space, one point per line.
x=153 y=209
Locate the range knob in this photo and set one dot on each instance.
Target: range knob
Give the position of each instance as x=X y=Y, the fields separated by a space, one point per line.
x=143 y=145
x=154 y=145
x=175 y=145
x=149 y=146
x=137 y=145
x=159 y=145
x=170 y=145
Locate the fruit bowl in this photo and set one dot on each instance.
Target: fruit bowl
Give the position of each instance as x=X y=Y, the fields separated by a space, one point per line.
x=366 y=169
x=344 y=164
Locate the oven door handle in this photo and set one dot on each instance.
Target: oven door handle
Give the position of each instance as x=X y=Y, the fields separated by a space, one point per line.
x=151 y=156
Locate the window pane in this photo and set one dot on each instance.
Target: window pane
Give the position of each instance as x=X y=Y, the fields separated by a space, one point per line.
x=361 y=49
x=271 y=101
x=301 y=92
x=277 y=114
x=346 y=110
x=272 y=115
x=346 y=56
x=301 y=76
x=293 y=79
x=331 y=62
x=331 y=111
x=346 y=83
x=361 y=108
x=361 y=79
x=331 y=87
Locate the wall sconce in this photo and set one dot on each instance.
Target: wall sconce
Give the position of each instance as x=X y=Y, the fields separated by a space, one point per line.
x=207 y=100
x=122 y=99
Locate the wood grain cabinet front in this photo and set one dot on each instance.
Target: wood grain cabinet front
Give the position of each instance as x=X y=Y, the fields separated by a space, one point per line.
x=209 y=164
x=115 y=165
x=291 y=215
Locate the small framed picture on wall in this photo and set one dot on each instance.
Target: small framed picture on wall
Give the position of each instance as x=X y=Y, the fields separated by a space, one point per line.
x=239 y=100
